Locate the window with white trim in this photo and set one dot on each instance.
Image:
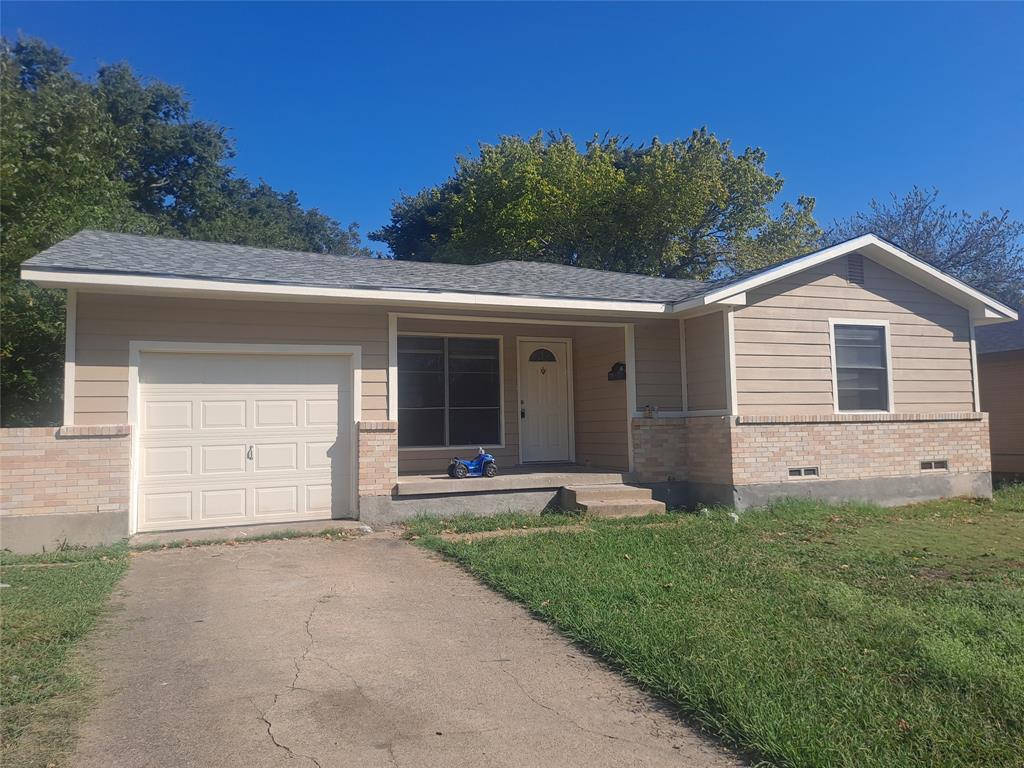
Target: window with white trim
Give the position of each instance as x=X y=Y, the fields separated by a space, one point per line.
x=862 y=375
x=449 y=391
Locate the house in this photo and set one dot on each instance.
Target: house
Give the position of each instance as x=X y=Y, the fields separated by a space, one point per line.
x=210 y=385
x=1001 y=383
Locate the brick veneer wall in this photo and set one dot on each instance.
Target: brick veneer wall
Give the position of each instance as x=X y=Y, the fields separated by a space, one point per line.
x=857 y=446
x=378 y=457
x=710 y=450
x=659 y=449
x=65 y=470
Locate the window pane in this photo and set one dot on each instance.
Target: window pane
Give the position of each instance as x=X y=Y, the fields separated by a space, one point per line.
x=420 y=390
x=420 y=428
x=473 y=355
x=473 y=390
x=420 y=353
x=862 y=400
x=474 y=426
x=862 y=379
x=542 y=355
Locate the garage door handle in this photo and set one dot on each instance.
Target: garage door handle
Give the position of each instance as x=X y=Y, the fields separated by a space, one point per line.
x=248 y=454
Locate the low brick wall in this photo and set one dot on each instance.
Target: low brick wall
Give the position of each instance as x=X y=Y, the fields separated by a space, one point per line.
x=67 y=484
x=857 y=446
x=378 y=457
x=659 y=449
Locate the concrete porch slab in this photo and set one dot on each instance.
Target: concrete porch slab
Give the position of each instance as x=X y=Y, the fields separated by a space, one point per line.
x=515 y=479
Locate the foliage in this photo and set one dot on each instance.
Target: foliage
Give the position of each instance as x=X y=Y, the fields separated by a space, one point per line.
x=986 y=250
x=122 y=155
x=685 y=208
x=806 y=633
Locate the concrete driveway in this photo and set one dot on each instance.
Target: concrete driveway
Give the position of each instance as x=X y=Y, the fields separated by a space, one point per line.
x=358 y=653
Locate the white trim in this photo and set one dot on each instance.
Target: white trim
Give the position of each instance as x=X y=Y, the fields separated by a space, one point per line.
x=180 y=286
x=501 y=387
x=70 y=346
x=570 y=401
x=732 y=401
x=888 y=253
x=682 y=363
x=974 y=369
x=392 y=366
x=136 y=348
x=630 y=332
x=889 y=373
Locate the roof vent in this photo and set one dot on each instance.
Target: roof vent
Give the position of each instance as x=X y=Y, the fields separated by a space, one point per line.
x=855 y=268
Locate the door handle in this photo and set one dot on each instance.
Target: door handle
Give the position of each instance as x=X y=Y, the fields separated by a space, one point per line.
x=248 y=453
x=522 y=413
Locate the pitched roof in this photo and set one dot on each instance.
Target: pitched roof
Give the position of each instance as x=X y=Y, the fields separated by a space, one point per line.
x=1004 y=337
x=108 y=253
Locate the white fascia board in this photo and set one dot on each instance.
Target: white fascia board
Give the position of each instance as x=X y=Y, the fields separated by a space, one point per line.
x=175 y=286
x=981 y=305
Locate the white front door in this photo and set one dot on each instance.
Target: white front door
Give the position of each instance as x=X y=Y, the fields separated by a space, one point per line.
x=544 y=420
x=232 y=439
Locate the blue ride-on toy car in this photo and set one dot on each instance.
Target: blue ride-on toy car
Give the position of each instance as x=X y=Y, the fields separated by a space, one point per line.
x=483 y=465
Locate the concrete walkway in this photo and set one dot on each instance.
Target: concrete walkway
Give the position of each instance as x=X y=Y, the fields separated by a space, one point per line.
x=369 y=652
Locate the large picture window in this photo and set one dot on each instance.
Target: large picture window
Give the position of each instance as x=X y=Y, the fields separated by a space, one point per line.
x=862 y=375
x=449 y=392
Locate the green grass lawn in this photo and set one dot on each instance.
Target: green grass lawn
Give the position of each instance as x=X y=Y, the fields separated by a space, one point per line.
x=809 y=635
x=50 y=603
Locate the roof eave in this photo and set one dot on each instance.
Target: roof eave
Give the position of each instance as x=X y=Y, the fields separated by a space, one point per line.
x=176 y=286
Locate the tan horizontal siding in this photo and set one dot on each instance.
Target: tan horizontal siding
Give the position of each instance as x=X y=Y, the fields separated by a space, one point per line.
x=783 y=348
x=1001 y=383
x=658 y=370
x=705 y=362
x=106 y=323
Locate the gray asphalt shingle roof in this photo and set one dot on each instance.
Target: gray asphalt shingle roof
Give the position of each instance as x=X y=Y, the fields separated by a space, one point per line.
x=105 y=252
x=1002 y=337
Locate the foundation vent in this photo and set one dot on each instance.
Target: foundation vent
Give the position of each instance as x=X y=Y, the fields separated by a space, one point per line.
x=934 y=464
x=855 y=268
x=803 y=472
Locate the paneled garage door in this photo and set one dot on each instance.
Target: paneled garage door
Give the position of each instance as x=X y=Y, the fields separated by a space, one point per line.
x=231 y=439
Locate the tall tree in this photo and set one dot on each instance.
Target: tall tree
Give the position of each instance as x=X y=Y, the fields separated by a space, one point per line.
x=686 y=208
x=984 y=250
x=122 y=155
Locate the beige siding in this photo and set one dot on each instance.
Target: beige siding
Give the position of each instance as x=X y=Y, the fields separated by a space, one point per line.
x=705 y=363
x=1001 y=382
x=600 y=404
x=783 y=350
x=106 y=324
x=658 y=372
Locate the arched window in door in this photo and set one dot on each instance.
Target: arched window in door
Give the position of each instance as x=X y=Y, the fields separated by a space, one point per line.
x=542 y=355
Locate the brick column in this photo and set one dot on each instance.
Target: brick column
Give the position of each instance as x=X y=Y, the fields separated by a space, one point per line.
x=378 y=457
x=659 y=449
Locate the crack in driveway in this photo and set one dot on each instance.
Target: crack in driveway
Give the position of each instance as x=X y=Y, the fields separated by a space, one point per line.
x=292 y=686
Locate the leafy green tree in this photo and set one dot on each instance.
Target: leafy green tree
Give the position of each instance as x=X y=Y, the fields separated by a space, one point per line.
x=121 y=155
x=687 y=208
x=986 y=250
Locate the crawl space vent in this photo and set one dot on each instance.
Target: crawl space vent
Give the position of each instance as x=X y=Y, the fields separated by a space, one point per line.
x=855 y=268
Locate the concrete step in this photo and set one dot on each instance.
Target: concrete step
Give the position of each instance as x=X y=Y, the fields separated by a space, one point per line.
x=581 y=494
x=613 y=508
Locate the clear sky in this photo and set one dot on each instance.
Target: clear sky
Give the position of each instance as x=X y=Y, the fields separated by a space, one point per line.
x=352 y=104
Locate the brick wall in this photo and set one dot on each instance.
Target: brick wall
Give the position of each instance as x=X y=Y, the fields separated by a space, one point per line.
x=710 y=452
x=64 y=470
x=857 y=446
x=378 y=457
x=659 y=449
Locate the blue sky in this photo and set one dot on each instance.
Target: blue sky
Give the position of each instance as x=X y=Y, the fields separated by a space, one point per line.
x=352 y=104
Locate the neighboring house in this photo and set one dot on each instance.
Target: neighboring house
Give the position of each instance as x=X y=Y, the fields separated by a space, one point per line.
x=1001 y=382
x=235 y=384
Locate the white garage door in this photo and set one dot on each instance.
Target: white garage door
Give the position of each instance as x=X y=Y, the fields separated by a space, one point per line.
x=229 y=439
